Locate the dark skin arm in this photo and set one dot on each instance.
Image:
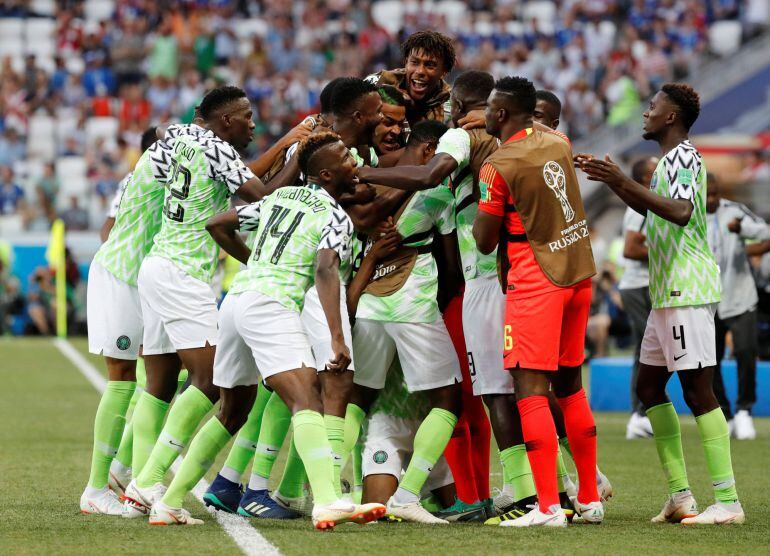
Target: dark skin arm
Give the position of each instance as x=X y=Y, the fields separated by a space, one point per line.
x=389 y=159
x=104 y=233
x=327 y=281
x=486 y=231
x=758 y=249
x=385 y=245
x=224 y=229
x=634 y=246
x=449 y=275
x=635 y=195
x=262 y=165
x=367 y=217
x=412 y=178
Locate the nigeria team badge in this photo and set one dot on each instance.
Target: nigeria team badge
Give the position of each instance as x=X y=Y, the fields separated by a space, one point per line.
x=380 y=456
x=123 y=343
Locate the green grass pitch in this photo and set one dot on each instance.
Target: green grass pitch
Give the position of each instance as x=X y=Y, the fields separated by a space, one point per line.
x=46 y=415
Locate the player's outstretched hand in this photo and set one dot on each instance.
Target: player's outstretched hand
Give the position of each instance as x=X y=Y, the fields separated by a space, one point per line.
x=602 y=170
x=341 y=360
x=297 y=133
x=473 y=120
x=581 y=158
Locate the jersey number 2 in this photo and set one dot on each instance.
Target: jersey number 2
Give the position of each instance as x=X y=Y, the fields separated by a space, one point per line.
x=177 y=215
x=277 y=215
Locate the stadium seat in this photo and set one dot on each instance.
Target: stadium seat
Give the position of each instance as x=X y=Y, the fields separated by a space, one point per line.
x=455 y=12
x=542 y=10
x=41 y=137
x=247 y=28
x=102 y=128
x=98 y=10
x=39 y=36
x=515 y=27
x=10 y=224
x=484 y=26
x=389 y=14
x=725 y=37
x=71 y=171
x=43 y=7
x=12 y=42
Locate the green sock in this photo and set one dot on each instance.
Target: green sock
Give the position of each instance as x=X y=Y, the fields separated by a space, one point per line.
x=715 y=437
x=313 y=447
x=125 y=450
x=108 y=428
x=246 y=440
x=564 y=444
x=204 y=448
x=335 y=432
x=356 y=460
x=294 y=475
x=668 y=441
x=429 y=443
x=517 y=472
x=275 y=424
x=189 y=410
x=181 y=380
x=354 y=418
x=146 y=423
x=561 y=470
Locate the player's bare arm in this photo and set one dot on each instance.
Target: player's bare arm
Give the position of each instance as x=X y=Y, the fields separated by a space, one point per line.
x=262 y=165
x=635 y=246
x=224 y=229
x=635 y=195
x=327 y=281
x=367 y=217
x=447 y=254
x=412 y=178
x=387 y=242
x=486 y=231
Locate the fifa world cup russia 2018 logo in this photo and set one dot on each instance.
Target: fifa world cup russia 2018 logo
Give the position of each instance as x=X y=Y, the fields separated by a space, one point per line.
x=556 y=180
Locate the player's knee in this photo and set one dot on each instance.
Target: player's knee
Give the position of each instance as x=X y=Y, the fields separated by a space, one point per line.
x=121 y=369
x=648 y=394
x=232 y=418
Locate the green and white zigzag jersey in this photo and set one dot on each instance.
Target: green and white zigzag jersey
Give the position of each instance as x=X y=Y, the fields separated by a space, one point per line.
x=457 y=144
x=395 y=400
x=112 y=212
x=683 y=271
x=203 y=171
x=292 y=225
x=138 y=214
x=416 y=300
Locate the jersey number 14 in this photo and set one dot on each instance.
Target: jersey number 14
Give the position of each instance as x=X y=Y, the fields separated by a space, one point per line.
x=277 y=216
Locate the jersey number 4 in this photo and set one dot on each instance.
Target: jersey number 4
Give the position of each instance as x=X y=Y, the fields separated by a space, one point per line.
x=183 y=174
x=277 y=215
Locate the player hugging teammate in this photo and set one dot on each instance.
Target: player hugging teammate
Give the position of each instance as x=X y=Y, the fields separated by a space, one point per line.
x=379 y=235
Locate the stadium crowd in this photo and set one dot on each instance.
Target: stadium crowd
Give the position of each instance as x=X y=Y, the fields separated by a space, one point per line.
x=138 y=61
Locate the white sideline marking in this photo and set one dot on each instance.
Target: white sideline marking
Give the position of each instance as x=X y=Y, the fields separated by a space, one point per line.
x=249 y=540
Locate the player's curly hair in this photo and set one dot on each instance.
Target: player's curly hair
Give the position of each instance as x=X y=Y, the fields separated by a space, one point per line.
x=217 y=98
x=521 y=91
x=347 y=91
x=432 y=43
x=310 y=146
x=474 y=84
x=390 y=95
x=686 y=99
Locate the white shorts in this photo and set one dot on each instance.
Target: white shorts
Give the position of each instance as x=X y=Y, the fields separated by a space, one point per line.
x=258 y=336
x=483 y=325
x=114 y=315
x=317 y=328
x=389 y=446
x=425 y=350
x=179 y=311
x=680 y=338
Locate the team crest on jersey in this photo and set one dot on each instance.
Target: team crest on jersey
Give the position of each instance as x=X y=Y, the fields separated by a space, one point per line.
x=380 y=456
x=123 y=343
x=556 y=180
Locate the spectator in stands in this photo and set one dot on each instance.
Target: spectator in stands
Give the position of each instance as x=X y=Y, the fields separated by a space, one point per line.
x=729 y=224
x=11 y=193
x=75 y=217
x=48 y=184
x=12 y=147
x=11 y=298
